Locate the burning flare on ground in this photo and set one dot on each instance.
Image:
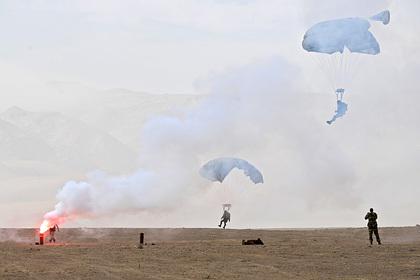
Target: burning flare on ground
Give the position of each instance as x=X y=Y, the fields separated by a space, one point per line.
x=44 y=226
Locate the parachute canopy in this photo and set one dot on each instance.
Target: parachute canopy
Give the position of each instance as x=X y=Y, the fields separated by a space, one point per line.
x=334 y=35
x=218 y=169
x=339 y=46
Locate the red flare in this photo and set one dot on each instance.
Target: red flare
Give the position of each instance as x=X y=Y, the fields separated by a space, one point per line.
x=44 y=226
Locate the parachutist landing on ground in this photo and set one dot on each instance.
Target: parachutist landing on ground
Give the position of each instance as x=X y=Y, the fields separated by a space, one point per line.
x=52 y=232
x=372 y=226
x=225 y=218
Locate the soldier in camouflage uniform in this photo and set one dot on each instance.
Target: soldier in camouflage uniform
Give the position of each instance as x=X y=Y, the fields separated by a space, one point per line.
x=372 y=226
x=225 y=218
x=52 y=232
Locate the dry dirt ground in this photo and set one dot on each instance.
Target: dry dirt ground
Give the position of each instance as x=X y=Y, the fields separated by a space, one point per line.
x=211 y=254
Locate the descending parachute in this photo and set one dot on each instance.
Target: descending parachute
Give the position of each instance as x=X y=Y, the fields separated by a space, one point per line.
x=338 y=45
x=218 y=169
x=333 y=36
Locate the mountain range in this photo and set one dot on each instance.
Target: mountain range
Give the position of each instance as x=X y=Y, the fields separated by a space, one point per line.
x=88 y=130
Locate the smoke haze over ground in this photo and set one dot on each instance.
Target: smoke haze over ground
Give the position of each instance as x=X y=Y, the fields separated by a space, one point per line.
x=269 y=108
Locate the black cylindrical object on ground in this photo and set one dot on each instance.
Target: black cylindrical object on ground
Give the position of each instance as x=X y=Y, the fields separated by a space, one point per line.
x=41 y=239
x=141 y=238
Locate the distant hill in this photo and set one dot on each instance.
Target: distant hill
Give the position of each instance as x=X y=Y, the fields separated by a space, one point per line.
x=54 y=137
x=120 y=112
x=16 y=143
x=80 y=129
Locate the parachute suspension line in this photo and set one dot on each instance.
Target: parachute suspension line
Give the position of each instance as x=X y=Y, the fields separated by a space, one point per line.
x=337 y=68
x=343 y=67
x=347 y=59
x=326 y=66
x=352 y=66
x=321 y=62
x=348 y=67
x=356 y=63
x=332 y=68
x=339 y=74
x=225 y=194
x=332 y=62
x=339 y=71
x=228 y=191
x=343 y=61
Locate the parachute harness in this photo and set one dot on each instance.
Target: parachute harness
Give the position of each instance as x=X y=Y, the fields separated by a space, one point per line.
x=226 y=206
x=339 y=93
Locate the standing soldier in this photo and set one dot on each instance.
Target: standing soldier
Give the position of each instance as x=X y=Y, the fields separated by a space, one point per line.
x=52 y=232
x=372 y=226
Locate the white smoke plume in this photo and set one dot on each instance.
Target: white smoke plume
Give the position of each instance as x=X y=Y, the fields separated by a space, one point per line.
x=246 y=114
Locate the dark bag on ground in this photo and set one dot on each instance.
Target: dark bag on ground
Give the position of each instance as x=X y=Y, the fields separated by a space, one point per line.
x=253 y=242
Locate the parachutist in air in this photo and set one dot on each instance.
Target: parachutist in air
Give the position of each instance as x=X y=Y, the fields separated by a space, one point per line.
x=372 y=226
x=341 y=111
x=339 y=38
x=225 y=218
x=52 y=232
x=341 y=106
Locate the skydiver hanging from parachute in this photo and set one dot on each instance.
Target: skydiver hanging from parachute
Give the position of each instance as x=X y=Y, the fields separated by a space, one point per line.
x=225 y=218
x=216 y=171
x=329 y=39
x=341 y=106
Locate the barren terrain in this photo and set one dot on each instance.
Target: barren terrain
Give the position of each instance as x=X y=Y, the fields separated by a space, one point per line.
x=211 y=254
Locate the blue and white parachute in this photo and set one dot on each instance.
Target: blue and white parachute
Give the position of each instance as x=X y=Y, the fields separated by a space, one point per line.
x=338 y=47
x=217 y=169
x=352 y=33
x=333 y=36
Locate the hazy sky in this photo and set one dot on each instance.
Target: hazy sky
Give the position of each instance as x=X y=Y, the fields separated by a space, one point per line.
x=159 y=46
x=244 y=51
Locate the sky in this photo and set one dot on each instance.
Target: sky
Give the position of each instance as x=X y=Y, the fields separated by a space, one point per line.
x=141 y=45
x=245 y=50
